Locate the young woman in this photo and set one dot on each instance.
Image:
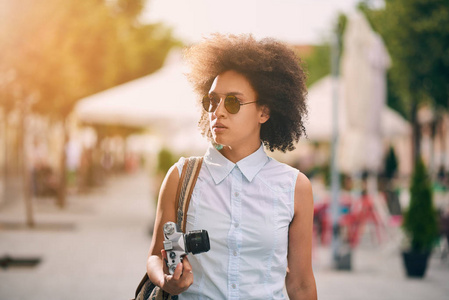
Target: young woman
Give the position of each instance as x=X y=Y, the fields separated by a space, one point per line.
x=258 y=212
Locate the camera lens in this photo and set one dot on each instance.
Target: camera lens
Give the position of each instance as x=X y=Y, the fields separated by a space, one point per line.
x=197 y=241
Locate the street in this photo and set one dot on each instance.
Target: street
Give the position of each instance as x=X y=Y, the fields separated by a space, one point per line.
x=97 y=246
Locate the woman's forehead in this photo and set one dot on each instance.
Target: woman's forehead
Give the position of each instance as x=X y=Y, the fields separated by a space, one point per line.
x=231 y=82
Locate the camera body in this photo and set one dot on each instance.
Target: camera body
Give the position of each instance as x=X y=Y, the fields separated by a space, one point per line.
x=177 y=244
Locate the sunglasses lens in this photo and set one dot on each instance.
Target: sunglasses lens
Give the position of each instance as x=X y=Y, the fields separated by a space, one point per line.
x=210 y=103
x=206 y=103
x=232 y=105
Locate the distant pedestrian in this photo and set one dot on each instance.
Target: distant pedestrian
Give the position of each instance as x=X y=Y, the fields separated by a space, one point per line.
x=258 y=211
x=444 y=224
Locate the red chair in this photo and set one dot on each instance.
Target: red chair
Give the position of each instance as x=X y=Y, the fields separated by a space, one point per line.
x=322 y=223
x=362 y=211
x=322 y=219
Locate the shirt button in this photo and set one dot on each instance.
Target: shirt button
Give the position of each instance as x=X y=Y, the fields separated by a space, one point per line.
x=233 y=286
x=236 y=194
x=236 y=224
x=235 y=253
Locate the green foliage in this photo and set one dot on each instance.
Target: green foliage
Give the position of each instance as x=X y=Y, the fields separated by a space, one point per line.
x=416 y=33
x=420 y=220
x=391 y=164
x=394 y=99
x=130 y=8
x=61 y=51
x=317 y=63
x=166 y=159
x=325 y=172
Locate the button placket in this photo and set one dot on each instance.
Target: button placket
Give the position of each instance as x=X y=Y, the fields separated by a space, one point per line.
x=234 y=238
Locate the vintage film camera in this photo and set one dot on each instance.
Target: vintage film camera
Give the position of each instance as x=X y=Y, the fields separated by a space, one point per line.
x=177 y=244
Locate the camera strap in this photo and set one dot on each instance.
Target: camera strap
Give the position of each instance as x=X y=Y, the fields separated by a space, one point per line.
x=189 y=175
x=190 y=171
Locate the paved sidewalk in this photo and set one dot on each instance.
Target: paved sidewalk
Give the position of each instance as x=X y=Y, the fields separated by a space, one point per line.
x=97 y=247
x=378 y=274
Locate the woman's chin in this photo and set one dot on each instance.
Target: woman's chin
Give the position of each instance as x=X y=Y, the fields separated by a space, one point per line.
x=218 y=141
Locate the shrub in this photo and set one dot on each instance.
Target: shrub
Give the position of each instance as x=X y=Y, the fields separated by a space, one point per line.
x=420 y=219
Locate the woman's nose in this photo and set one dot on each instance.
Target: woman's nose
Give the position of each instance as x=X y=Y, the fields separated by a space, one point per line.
x=220 y=110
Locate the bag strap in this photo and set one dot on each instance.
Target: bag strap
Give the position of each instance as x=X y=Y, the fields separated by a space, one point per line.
x=192 y=166
x=189 y=175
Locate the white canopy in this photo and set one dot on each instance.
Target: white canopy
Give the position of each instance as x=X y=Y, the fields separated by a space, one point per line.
x=319 y=101
x=157 y=99
x=363 y=66
x=319 y=124
x=166 y=102
x=163 y=101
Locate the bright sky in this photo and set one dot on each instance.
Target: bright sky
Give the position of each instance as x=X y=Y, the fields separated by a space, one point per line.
x=293 y=21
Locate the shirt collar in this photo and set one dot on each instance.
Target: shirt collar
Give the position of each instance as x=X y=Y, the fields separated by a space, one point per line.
x=220 y=167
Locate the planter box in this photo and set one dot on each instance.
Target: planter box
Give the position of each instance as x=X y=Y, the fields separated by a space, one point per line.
x=415 y=263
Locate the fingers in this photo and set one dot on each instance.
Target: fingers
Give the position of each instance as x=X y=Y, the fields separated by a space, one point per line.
x=176 y=286
x=164 y=258
x=183 y=269
x=164 y=254
x=187 y=267
x=181 y=279
x=178 y=272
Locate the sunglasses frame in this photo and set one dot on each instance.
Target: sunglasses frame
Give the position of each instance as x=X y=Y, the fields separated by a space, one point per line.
x=227 y=100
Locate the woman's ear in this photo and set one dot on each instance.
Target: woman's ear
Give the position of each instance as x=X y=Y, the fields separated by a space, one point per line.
x=264 y=114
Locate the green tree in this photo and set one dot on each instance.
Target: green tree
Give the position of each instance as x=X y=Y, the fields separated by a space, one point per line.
x=165 y=159
x=63 y=50
x=317 y=63
x=416 y=33
x=420 y=219
x=318 y=60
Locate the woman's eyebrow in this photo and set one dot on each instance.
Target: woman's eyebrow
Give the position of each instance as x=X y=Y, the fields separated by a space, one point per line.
x=228 y=93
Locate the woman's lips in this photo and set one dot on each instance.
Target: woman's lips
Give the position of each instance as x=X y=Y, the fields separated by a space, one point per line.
x=218 y=127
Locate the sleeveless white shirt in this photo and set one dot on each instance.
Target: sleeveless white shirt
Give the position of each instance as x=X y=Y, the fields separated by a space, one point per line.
x=246 y=208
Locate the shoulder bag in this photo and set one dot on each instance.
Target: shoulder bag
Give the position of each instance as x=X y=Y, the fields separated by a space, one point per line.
x=146 y=290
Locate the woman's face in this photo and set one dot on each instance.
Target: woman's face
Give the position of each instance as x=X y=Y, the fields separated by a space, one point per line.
x=240 y=129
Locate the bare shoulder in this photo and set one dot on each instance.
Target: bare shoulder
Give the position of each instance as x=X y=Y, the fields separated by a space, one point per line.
x=303 y=184
x=303 y=191
x=172 y=177
x=168 y=191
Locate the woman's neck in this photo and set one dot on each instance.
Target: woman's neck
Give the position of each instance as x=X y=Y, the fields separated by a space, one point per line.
x=236 y=154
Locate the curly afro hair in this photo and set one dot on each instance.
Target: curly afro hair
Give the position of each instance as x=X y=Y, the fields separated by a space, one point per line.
x=275 y=73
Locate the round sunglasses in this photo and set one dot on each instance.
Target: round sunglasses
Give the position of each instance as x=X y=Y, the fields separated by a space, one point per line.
x=231 y=103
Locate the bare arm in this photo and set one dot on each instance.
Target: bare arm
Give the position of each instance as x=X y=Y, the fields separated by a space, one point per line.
x=300 y=281
x=156 y=269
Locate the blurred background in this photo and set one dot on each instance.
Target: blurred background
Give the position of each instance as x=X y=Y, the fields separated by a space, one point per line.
x=95 y=107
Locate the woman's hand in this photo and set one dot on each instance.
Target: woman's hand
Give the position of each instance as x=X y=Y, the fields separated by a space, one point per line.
x=181 y=279
x=157 y=269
